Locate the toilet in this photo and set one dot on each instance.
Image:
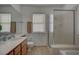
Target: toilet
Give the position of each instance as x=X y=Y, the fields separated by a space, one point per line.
x=30 y=45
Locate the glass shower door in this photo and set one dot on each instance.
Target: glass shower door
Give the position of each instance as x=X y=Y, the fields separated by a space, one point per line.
x=63 y=28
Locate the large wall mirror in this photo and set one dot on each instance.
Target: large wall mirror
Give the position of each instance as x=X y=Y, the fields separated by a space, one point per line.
x=5 y=22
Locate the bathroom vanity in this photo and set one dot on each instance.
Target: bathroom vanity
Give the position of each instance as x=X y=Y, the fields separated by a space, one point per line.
x=17 y=46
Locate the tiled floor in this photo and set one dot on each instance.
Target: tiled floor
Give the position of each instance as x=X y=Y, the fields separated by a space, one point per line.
x=43 y=50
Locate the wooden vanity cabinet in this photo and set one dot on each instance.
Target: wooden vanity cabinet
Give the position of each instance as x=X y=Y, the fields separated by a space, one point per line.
x=21 y=49
x=11 y=53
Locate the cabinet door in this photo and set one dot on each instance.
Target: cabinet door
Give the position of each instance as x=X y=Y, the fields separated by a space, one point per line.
x=24 y=52
x=17 y=50
x=18 y=53
x=11 y=53
x=24 y=48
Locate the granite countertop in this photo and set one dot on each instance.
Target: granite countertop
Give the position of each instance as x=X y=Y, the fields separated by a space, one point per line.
x=7 y=46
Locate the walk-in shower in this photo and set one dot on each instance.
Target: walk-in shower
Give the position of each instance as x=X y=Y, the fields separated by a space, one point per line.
x=63 y=28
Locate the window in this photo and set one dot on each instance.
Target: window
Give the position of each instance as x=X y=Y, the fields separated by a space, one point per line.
x=5 y=21
x=38 y=22
x=51 y=23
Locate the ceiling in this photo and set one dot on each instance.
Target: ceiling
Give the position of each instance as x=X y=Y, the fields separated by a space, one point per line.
x=43 y=5
x=1 y=5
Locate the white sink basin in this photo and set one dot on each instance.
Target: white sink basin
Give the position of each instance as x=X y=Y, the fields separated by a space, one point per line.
x=69 y=52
